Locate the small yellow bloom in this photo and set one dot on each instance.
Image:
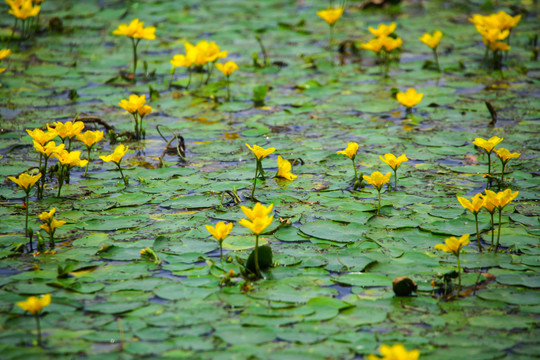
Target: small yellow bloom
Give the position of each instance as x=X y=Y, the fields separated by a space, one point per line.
x=350 y=151
x=221 y=230
x=4 y=53
x=258 y=224
x=34 y=304
x=227 y=68
x=475 y=205
x=488 y=204
x=284 y=169
x=377 y=179
x=395 y=352
x=259 y=210
x=50 y=227
x=259 y=152
x=196 y=54
x=181 y=60
x=331 y=15
x=47 y=216
x=389 y=43
x=133 y=104
x=501 y=199
x=70 y=158
x=506 y=155
x=392 y=161
x=487 y=145
x=48 y=149
x=41 y=136
x=374 y=45
x=383 y=30
x=25 y=181
x=453 y=244
x=23 y=9
x=136 y=30
x=68 y=129
x=498 y=46
x=117 y=155
x=90 y=138
x=432 y=40
x=210 y=51
x=409 y=98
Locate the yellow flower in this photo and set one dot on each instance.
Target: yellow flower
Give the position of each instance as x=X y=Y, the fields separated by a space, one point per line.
x=50 y=227
x=432 y=40
x=228 y=68
x=409 y=98
x=117 y=155
x=4 y=53
x=498 y=46
x=258 y=224
x=90 y=138
x=259 y=152
x=374 y=45
x=377 y=179
x=506 y=155
x=487 y=145
x=390 y=43
x=383 y=30
x=23 y=9
x=182 y=60
x=350 y=151
x=488 y=204
x=507 y=21
x=144 y=110
x=501 y=20
x=395 y=352
x=68 y=129
x=221 y=230
x=136 y=30
x=48 y=149
x=490 y=35
x=71 y=158
x=331 y=15
x=501 y=199
x=133 y=104
x=284 y=169
x=453 y=244
x=25 y=181
x=42 y=137
x=259 y=210
x=196 y=54
x=34 y=304
x=210 y=50
x=475 y=205
x=47 y=216
x=392 y=161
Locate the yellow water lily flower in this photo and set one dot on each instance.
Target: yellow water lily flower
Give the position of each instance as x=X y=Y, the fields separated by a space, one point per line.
x=50 y=227
x=331 y=15
x=377 y=179
x=259 y=210
x=70 y=158
x=395 y=352
x=68 y=129
x=181 y=60
x=4 y=53
x=389 y=43
x=35 y=304
x=453 y=244
x=505 y=155
x=410 y=98
x=48 y=149
x=489 y=144
x=500 y=199
x=260 y=152
x=135 y=29
x=25 y=181
x=374 y=45
x=258 y=224
x=474 y=205
x=46 y=216
x=117 y=155
x=350 y=151
x=90 y=138
x=42 y=137
x=23 y=9
x=284 y=169
x=133 y=104
x=227 y=68
x=221 y=230
x=392 y=161
x=383 y=30
x=210 y=51
x=432 y=40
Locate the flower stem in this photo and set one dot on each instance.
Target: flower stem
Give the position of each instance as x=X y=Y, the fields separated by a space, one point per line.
x=436 y=59
x=134 y=44
x=499 y=231
x=60 y=180
x=477 y=237
x=87 y=165
x=355 y=171
x=51 y=237
x=38 y=330
x=122 y=174
x=492 y=231
x=379 y=208
x=228 y=89
x=189 y=78
x=255 y=180
x=489 y=162
x=395 y=179
x=40 y=187
x=257 y=269
x=459 y=275
x=221 y=251
x=331 y=38
x=27 y=206
x=502 y=174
